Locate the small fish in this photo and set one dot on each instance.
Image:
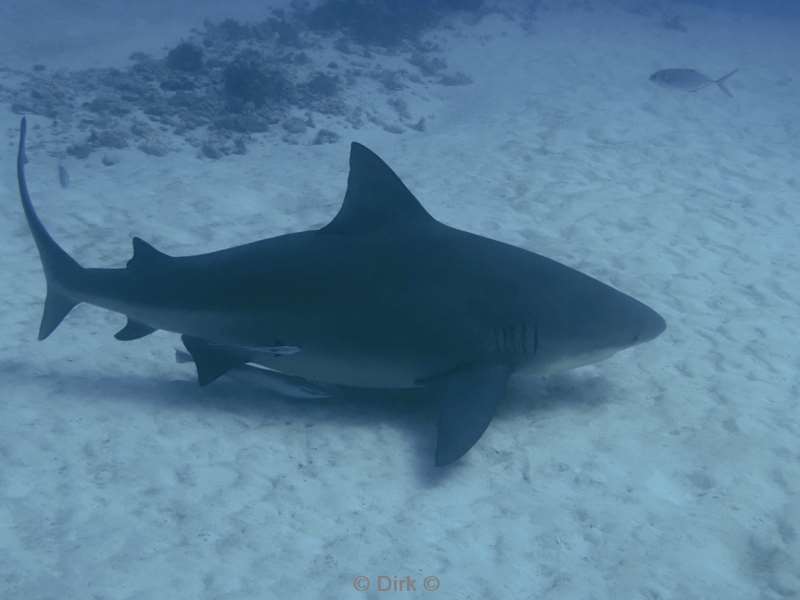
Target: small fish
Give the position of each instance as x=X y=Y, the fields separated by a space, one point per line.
x=689 y=80
x=63 y=176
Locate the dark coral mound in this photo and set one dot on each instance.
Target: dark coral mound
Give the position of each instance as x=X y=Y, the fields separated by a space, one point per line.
x=185 y=57
x=231 y=80
x=386 y=23
x=249 y=80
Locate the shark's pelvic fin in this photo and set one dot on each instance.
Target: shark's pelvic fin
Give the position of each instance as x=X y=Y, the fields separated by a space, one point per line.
x=212 y=361
x=375 y=198
x=468 y=401
x=145 y=255
x=61 y=271
x=133 y=330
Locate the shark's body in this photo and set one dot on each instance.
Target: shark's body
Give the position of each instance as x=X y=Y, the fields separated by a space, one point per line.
x=384 y=296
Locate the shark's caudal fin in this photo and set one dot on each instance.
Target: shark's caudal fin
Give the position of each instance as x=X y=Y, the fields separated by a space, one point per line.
x=721 y=82
x=60 y=269
x=375 y=198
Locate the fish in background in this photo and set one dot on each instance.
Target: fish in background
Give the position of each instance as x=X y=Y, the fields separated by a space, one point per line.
x=689 y=80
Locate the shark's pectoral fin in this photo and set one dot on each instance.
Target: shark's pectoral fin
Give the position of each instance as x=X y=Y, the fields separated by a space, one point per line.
x=467 y=405
x=133 y=330
x=212 y=361
x=145 y=255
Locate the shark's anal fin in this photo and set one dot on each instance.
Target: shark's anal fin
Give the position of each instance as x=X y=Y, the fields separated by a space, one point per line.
x=133 y=330
x=212 y=361
x=145 y=255
x=468 y=401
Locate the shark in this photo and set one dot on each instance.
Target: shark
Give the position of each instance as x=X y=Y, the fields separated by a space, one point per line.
x=383 y=296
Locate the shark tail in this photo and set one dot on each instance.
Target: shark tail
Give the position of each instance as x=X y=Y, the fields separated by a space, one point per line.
x=721 y=83
x=60 y=269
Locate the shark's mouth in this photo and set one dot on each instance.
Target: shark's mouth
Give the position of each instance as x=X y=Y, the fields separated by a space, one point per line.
x=569 y=362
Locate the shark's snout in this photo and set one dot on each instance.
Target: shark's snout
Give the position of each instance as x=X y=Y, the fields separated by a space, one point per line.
x=652 y=325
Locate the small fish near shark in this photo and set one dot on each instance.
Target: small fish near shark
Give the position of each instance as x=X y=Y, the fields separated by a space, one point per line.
x=689 y=80
x=383 y=296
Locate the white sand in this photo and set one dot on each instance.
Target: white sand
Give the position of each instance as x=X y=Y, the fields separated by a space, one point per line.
x=669 y=471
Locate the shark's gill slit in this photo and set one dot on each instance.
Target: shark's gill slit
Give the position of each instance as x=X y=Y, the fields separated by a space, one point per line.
x=524 y=338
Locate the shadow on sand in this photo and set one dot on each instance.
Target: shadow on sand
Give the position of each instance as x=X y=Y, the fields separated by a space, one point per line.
x=412 y=412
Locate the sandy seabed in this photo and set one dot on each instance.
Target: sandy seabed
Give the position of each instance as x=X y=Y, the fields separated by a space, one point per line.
x=668 y=471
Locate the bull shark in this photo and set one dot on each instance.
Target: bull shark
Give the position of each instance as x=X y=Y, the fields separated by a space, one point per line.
x=383 y=296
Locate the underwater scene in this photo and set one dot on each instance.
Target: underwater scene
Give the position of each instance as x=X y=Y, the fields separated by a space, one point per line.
x=457 y=299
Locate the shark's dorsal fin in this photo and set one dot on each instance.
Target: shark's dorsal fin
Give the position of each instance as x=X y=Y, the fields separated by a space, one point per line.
x=145 y=255
x=375 y=198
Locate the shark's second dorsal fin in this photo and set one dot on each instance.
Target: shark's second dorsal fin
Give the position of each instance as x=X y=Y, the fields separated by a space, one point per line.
x=375 y=198
x=145 y=255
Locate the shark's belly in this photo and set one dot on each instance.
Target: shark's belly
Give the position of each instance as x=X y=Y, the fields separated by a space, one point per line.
x=376 y=354
x=365 y=371
x=356 y=348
